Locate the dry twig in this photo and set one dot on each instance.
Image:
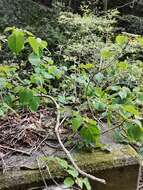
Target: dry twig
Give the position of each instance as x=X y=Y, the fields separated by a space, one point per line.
x=4 y=164
x=15 y=150
x=42 y=174
x=113 y=128
x=63 y=147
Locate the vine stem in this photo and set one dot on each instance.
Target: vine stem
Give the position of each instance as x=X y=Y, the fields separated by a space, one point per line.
x=57 y=126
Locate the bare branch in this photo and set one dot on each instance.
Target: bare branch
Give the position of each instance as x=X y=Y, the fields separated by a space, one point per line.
x=63 y=147
x=15 y=150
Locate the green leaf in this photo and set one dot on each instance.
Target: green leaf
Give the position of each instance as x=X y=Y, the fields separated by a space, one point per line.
x=63 y=163
x=7 y=29
x=28 y=33
x=34 y=44
x=137 y=122
x=140 y=41
x=68 y=182
x=99 y=92
x=86 y=66
x=34 y=103
x=90 y=121
x=99 y=77
x=87 y=184
x=123 y=92
x=8 y=100
x=122 y=65
x=76 y=123
x=47 y=75
x=100 y=106
x=121 y=39
x=37 y=79
x=90 y=133
x=79 y=182
x=2 y=113
x=7 y=69
x=141 y=152
x=16 y=41
x=139 y=99
x=52 y=69
x=37 y=44
x=135 y=132
x=28 y=99
x=43 y=44
x=25 y=96
x=73 y=172
x=106 y=54
x=131 y=109
x=117 y=136
x=34 y=59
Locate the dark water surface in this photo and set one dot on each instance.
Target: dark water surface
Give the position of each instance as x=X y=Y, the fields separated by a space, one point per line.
x=124 y=178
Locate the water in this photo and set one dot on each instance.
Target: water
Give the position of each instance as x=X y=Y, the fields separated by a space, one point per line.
x=122 y=178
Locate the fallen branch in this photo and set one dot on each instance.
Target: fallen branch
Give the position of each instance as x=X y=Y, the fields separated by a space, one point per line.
x=15 y=150
x=113 y=128
x=3 y=164
x=63 y=147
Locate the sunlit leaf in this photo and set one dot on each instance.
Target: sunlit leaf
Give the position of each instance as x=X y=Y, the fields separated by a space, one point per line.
x=122 y=65
x=135 y=132
x=90 y=133
x=140 y=41
x=34 y=59
x=16 y=41
x=63 y=163
x=43 y=44
x=34 y=44
x=87 y=184
x=100 y=106
x=68 y=182
x=99 y=77
x=76 y=122
x=73 y=172
x=7 y=29
x=131 y=109
x=80 y=182
x=106 y=54
x=123 y=93
x=121 y=39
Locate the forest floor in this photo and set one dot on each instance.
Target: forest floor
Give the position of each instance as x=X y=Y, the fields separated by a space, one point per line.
x=33 y=134
x=25 y=136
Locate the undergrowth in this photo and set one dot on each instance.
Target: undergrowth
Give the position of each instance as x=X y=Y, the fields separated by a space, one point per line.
x=94 y=75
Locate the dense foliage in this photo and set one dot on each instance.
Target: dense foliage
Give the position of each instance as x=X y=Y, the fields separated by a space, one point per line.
x=95 y=76
x=93 y=73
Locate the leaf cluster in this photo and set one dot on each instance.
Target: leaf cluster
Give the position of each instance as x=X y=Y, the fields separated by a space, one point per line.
x=104 y=88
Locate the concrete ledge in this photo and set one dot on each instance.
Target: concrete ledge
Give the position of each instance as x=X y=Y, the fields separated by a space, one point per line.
x=96 y=162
